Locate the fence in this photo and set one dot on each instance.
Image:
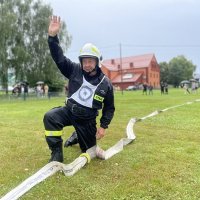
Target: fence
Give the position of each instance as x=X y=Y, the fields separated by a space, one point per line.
x=30 y=96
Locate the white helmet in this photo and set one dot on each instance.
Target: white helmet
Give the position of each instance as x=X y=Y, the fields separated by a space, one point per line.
x=90 y=50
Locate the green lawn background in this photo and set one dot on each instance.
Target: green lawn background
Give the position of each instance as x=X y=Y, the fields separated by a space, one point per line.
x=162 y=163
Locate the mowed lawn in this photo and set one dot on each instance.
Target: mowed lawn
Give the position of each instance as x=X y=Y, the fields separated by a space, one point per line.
x=162 y=163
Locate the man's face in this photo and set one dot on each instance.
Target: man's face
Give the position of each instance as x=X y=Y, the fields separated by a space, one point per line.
x=88 y=64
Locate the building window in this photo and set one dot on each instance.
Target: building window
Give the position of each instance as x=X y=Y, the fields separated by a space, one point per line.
x=127 y=76
x=153 y=63
x=131 y=64
x=112 y=61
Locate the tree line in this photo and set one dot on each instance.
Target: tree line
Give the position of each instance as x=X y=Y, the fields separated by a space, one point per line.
x=23 y=43
x=177 y=70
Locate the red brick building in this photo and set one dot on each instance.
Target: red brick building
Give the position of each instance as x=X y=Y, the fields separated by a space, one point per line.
x=135 y=70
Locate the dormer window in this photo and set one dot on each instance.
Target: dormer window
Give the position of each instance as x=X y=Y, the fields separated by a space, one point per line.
x=127 y=76
x=131 y=64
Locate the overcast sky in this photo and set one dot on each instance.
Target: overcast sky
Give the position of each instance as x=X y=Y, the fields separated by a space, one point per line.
x=167 y=28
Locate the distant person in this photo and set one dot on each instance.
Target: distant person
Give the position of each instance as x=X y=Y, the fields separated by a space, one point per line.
x=150 y=88
x=39 y=90
x=162 y=88
x=186 y=88
x=196 y=86
x=15 y=90
x=166 y=87
x=19 y=90
x=144 y=91
x=22 y=88
x=42 y=90
x=46 y=90
x=26 y=89
x=23 y=94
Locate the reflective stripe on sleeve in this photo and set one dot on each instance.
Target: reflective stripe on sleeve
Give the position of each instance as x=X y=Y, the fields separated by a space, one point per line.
x=98 y=98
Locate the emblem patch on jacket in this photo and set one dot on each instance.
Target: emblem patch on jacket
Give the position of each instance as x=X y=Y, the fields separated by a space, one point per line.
x=85 y=93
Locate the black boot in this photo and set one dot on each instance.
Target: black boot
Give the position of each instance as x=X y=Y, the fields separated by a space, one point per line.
x=73 y=139
x=56 y=154
x=55 y=145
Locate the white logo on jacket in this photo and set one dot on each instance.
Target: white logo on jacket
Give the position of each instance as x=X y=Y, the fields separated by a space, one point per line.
x=85 y=94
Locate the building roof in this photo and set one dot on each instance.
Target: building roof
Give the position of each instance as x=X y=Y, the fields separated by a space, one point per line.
x=129 y=77
x=140 y=61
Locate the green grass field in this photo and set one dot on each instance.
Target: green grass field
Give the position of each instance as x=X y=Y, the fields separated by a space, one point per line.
x=162 y=163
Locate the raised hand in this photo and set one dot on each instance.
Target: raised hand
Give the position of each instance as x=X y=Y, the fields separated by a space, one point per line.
x=54 y=26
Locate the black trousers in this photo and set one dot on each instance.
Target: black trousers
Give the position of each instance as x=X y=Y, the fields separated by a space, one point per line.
x=57 y=118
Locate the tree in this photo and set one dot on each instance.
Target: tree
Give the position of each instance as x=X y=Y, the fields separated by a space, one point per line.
x=23 y=42
x=20 y=54
x=44 y=67
x=7 y=21
x=180 y=69
x=164 y=71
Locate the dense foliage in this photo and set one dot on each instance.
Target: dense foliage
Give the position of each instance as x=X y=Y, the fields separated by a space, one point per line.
x=23 y=42
x=177 y=70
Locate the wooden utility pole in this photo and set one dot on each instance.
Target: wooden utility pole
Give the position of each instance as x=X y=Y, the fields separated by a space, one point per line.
x=121 y=71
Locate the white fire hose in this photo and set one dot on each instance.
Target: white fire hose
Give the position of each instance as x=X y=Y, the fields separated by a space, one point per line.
x=70 y=169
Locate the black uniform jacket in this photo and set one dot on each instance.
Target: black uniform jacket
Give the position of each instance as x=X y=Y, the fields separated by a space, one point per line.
x=74 y=73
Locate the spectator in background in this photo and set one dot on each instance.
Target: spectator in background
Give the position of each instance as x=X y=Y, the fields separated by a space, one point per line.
x=19 y=90
x=196 y=86
x=15 y=90
x=150 y=88
x=193 y=87
x=186 y=88
x=46 y=90
x=26 y=89
x=162 y=88
x=166 y=87
x=145 y=88
x=39 y=90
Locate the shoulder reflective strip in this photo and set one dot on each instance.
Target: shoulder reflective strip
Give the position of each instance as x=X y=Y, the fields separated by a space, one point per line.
x=53 y=133
x=87 y=155
x=98 y=98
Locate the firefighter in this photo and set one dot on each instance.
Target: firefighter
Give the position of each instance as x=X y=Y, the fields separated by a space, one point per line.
x=89 y=90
